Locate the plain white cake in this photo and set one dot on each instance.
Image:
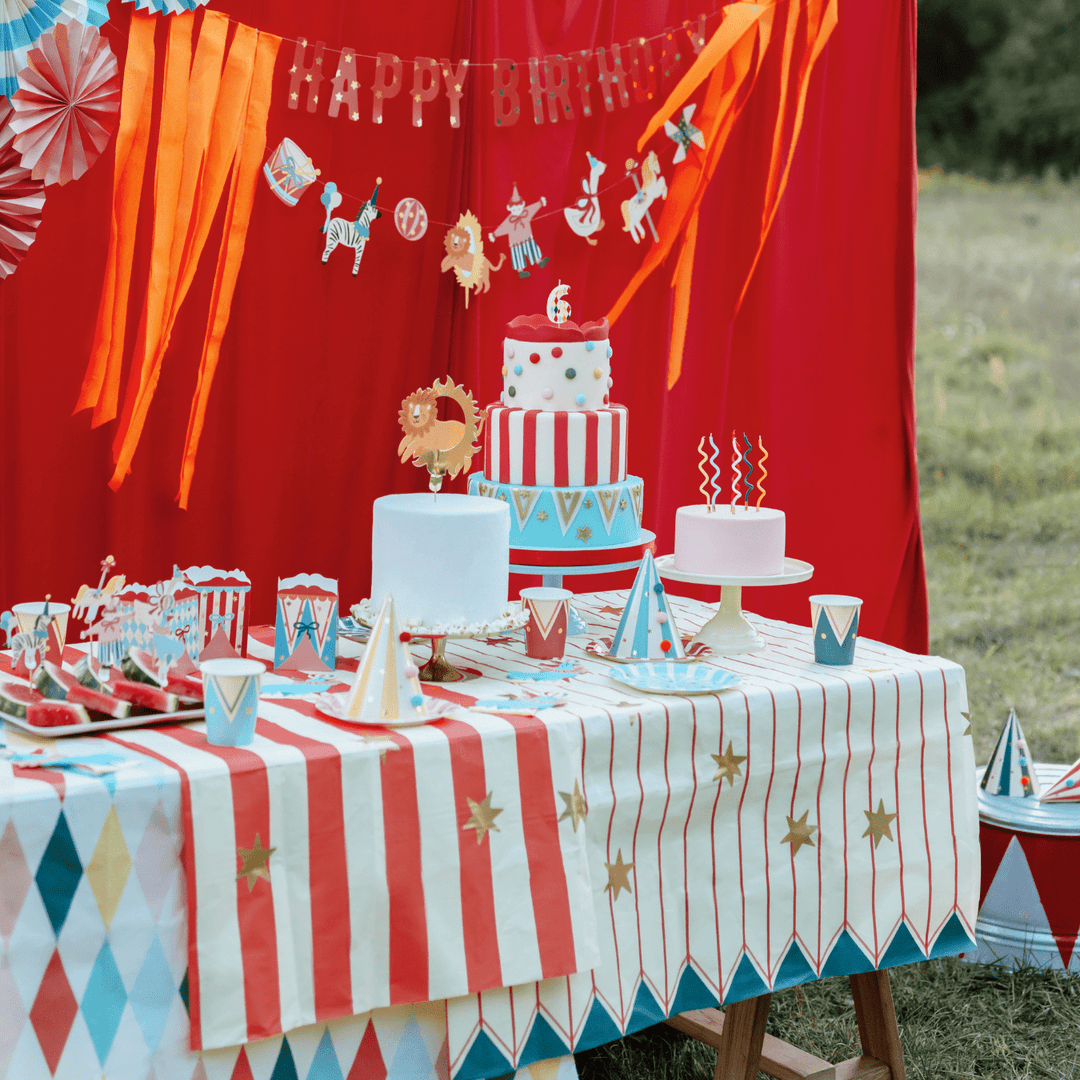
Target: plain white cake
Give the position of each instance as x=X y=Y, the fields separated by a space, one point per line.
x=721 y=542
x=444 y=558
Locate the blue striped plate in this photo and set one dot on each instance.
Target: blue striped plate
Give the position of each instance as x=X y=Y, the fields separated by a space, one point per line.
x=668 y=677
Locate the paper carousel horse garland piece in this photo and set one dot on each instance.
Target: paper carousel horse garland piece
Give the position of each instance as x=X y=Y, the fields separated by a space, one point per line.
x=440 y=446
x=354 y=234
x=652 y=187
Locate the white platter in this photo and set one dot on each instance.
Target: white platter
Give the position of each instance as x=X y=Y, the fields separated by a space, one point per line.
x=98 y=726
x=794 y=570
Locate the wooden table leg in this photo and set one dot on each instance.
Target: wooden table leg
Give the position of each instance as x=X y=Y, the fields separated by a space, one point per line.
x=877 y=1026
x=741 y=1040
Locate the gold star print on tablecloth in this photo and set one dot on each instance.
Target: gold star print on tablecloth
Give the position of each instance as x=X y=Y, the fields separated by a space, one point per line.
x=727 y=764
x=575 y=806
x=483 y=817
x=879 y=823
x=254 y=863
x=799 y=833
x=618 y=876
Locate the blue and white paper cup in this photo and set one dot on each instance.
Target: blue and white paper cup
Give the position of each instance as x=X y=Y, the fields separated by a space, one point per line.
x=835 y=622
x=231 y=692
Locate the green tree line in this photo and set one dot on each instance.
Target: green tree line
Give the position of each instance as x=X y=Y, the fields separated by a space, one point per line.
x=999 y=86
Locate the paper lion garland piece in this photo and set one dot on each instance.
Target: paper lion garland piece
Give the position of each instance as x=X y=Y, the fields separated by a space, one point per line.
x=440 y=446
x=464 y=243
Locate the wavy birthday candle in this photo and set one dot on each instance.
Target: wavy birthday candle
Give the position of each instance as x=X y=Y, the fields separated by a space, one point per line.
x=716 y=471
x=704 y=474
x=749 y=470
x=736 y=476
x=764 y=472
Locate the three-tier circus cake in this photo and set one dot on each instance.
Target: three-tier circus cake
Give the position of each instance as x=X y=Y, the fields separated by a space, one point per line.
x=555 y=449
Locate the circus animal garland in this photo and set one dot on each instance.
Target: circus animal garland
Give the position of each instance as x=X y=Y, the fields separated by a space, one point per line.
x=653 y=185
x=584 y=216
x=440 y=446
x=464 y=243
x=354 y=234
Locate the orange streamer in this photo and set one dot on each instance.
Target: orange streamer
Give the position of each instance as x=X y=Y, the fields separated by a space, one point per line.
x=238 y=215
x=100 y=385
x=732 y=61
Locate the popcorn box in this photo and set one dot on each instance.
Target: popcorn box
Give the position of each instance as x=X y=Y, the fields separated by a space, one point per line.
x=305 y=632
x=223 y=601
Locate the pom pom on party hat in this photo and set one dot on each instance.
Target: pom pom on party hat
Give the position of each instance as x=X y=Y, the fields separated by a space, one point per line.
x=647 y=629
x=1010 y=771
x=386 y=687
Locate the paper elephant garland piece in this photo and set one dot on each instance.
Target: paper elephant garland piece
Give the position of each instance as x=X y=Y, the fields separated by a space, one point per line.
x=354 y=234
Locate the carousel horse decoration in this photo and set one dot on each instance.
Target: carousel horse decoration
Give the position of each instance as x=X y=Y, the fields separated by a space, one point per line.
x=440 y=446
x=653 y=186
x=354 y=234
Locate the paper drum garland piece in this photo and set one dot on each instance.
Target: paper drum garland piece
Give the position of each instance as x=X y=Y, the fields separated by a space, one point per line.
x=289 y=172
x=411 y=219
x=22 y=22
x=67 y=104
x=21 y=201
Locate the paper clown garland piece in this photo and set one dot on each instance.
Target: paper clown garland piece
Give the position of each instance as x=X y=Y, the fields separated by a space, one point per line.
x=1010 y=771
x=387 y=686
x=353 y=234
x=305 y=631
x=517 y=228
x=652 y=187
x=440 y=446
x=22 y=199
x=289 y=172
x=68 y=103
x=410 y=219
x=684 y=133
x=647 y=629
x=584 y=216
x=464 y=245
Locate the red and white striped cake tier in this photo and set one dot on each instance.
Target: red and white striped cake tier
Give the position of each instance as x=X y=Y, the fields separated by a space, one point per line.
x=536 y=448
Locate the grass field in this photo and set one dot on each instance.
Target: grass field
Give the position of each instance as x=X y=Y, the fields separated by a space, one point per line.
x=998 y=392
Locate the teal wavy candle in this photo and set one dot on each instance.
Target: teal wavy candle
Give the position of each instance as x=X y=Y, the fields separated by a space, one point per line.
x=716 y=471
x=749 y=470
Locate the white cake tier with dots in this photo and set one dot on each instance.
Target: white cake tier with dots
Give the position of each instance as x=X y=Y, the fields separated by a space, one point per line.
x=722 y=542
x=556 y=368
x=443 y=558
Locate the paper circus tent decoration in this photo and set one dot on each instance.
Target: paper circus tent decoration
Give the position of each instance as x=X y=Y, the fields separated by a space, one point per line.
x=22 y=22
x=1010 y=771
x=387 y=687
x=21 y=200
x=67 y=105
x=167 y=7
x=1066 y=788
x=647 y=628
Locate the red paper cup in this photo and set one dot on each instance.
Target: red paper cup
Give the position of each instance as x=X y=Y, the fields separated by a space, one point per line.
x=545 y=632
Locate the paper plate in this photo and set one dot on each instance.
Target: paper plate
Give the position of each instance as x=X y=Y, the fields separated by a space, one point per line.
x=334 y=705
x=668 y=677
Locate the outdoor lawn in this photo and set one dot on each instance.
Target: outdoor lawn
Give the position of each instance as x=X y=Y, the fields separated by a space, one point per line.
x=998 y=392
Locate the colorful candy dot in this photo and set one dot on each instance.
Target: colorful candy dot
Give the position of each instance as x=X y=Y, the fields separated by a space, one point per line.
x=597 y=373
x=546 y=395
x=511 y=391
x=509 y=352
x=610 y=380
x=417 y=700
x=580 y=399
x=609 y=352
x=571 y=373
x=534 y=358
x=556 y=352
x=404 y=636
x=504 y=371
x=665 y=646
x=607 y=399
x=590 y=345
x=517 y=369
x=411 y=671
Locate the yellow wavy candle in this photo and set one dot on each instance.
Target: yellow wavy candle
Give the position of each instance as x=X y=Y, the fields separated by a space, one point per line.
x=764 y=472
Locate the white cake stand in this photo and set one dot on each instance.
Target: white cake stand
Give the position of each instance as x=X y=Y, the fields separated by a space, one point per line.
x=728 y=632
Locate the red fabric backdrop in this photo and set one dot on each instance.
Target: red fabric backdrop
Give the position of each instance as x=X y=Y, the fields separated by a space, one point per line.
x=302 y=421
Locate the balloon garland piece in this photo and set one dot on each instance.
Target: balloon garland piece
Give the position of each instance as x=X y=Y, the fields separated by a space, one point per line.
x=67 y=105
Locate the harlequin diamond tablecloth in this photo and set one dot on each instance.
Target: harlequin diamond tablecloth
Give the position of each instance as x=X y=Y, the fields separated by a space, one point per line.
x=688 y=851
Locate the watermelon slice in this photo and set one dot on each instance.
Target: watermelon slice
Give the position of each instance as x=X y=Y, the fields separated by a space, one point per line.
x=16 y=698
x=101 y=706
x=146 y=699
x=54 y=682
x=185 y=687
x=92 y=675
x=140 y=666
x=56 y=714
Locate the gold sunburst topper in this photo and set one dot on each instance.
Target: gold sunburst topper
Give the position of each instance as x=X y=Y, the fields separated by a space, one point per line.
x=440 y=446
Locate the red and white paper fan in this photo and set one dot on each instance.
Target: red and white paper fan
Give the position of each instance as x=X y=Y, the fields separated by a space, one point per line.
x=21 y=201
x=67 y=104
x=22 y=22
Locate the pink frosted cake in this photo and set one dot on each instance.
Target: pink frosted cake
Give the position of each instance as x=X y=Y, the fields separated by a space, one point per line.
x=746 y=543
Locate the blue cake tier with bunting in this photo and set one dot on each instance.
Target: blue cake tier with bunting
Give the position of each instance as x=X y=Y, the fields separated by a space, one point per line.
x=569 y=518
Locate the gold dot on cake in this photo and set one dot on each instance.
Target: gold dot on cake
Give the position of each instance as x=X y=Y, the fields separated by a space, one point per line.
x=597 y=373
x=504 y=371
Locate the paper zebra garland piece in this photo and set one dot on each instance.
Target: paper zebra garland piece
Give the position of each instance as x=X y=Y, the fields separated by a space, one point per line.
x=354 y=234
x=517 y=228
x=305 y=631
x=647 y=629
x=584 y=216
x=652 y=187
x=289 y=172
x=464 y=243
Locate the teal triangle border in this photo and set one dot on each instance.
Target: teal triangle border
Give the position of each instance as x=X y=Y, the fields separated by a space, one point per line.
x=692 y=994
x=953 y=939
x=542 y=1043
x=794 y=970
x=903 y=949
x=846 y=958
x=483 y=1060
x=747 y=983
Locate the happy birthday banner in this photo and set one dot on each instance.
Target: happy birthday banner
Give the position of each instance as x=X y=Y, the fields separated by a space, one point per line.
x=617 y=72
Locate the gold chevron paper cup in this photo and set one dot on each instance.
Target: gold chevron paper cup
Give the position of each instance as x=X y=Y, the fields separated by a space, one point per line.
x=231 y=690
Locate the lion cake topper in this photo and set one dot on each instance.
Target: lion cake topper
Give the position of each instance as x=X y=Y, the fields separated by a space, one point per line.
x=440 y=446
